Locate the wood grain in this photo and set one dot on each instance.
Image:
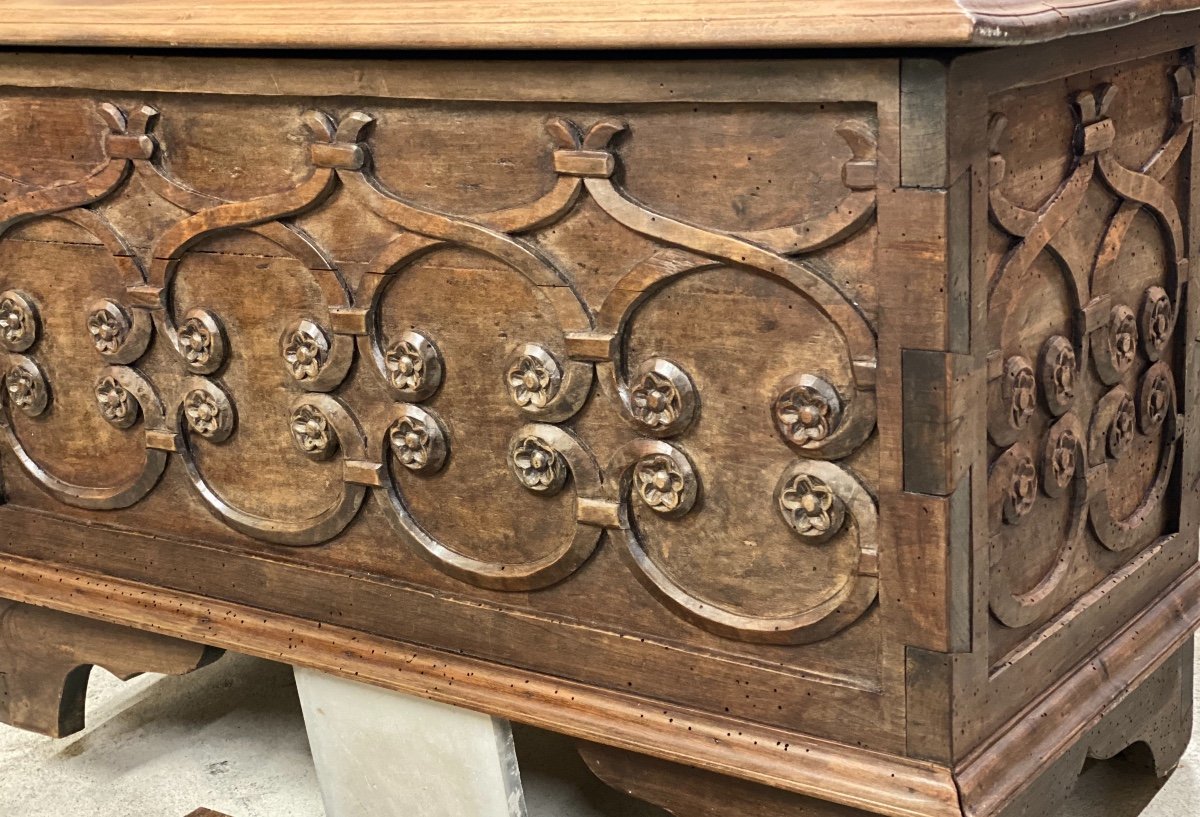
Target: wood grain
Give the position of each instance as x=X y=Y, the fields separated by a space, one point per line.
x=46 y=657
x=541 y=24
x=720 y=410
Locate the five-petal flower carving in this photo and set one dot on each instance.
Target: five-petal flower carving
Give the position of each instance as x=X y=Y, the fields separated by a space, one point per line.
x=15 y=322
x=305 y=350
x=108 y=329
x=117 y=405
x=655 y=400
x=532 y=382
x=811 y=506
x=202 y=412
x=405 y=366
x=195 y=342
x=537 y=465
x=411 y=443
x=312 y=431
x=659 y=483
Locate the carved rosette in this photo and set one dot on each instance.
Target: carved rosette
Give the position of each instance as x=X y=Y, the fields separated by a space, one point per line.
x=807 y=410
x=202 y=341
x=413 y=366
x=534 y=378
x=118 y=335
x=537 y=465
x=662 y=398
x=1021 y=490
x=1062 y=456
x=25 y=386
x=665 y=484
x=304 y=348
x=1121 y=428
x=19 y=323
x=1118 y=348
x=1019 y=391
x=1158 y=319
x=312 y=432
x=418 y=441
x=116 y=404
x=109 y=325
x=1155 y=395
x=1058 y=374
x=810 y=506
x=209 y=412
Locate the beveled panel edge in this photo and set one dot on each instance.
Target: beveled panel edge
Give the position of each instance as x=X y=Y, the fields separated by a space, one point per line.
x=446 y=24
x=1044 y=731
x=879 y=783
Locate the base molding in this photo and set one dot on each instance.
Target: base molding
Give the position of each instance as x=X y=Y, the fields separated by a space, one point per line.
x=1134 y=690
x=1112 y=700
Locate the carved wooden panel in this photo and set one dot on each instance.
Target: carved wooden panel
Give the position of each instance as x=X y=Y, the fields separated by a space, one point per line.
x=1088 y=263
x=528 y=354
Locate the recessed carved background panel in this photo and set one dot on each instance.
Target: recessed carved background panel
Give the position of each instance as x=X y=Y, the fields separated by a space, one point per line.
x=627 y=351
x=1088 y=262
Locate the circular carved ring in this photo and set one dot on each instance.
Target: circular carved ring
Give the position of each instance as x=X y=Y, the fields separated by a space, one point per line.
x=844 y=605
x=201 y=341
x=1011 y=486
x=208 y=411
x=543 y=571
x=19 y=322
x=806 y=410
x=662 y=398
x=25 y=386
x=1158 y=320
x=120 y=336
x=1116 y=410
x=1058 y=374
x=418 y=441
x=534 y=378
x=413 y=366
x=304 y=348
x=106 y=497
x=312 y=432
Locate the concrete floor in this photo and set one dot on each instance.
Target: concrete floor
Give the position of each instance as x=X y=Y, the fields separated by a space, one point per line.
x=231 y=738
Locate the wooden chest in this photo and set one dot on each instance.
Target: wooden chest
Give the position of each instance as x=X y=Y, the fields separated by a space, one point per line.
x=813 y=427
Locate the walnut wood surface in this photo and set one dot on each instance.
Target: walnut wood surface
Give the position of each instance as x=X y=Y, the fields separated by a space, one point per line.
x=46 y=657
x=544 y=24
x=750 y=405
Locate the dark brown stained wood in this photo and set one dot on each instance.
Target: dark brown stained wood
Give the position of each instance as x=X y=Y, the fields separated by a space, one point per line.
x=540 y=24
x=46 y=657
x=822 y=422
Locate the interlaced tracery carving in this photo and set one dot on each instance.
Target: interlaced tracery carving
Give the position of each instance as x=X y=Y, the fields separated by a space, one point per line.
x=1078 y=449
x=656 y=396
